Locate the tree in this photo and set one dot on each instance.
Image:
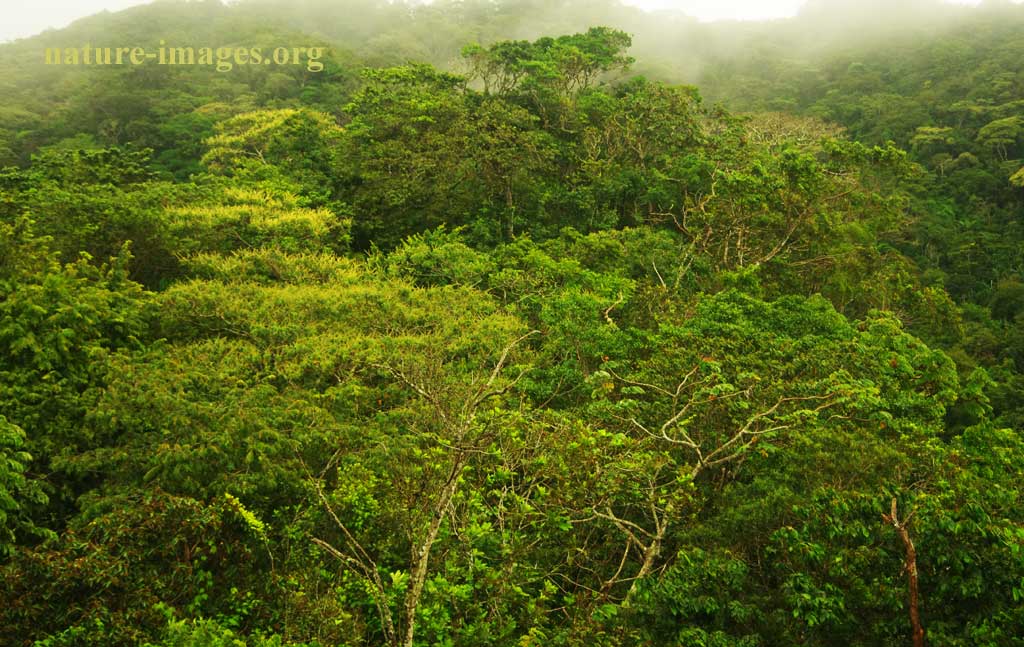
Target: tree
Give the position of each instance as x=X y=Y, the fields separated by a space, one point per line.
x=1000 y=135
x=18 y=492
x=60 y=326
x=460 y=429
x=289 y=149
x=405 y=168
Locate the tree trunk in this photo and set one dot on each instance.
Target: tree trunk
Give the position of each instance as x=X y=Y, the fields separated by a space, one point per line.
x=511 y=210
x=910 y=566
x=421 y=558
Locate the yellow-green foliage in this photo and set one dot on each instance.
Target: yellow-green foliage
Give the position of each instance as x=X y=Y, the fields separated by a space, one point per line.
x=250 y=124
x=256 y=196
x=270 y=265
x=250 y=218
x=293 y=149
x=248 y=134
x=1017 y=179
x=251 y=520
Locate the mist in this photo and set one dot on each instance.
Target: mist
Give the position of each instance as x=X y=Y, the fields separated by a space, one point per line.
x=677 y=42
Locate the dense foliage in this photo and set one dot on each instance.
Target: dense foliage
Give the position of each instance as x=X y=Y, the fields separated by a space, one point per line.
x=479 y=338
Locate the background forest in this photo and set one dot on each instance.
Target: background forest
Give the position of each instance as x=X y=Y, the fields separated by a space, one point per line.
x=524 y=322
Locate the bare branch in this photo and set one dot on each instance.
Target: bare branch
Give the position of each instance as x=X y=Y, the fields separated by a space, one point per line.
x=484 y=393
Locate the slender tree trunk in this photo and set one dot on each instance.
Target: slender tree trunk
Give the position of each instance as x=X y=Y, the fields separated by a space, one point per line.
x=421 y=558
x=910 y=566
x=651 y=553
x=510 y=205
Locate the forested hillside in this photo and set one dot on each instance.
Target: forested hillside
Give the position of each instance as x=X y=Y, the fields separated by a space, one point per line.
x=519 y=323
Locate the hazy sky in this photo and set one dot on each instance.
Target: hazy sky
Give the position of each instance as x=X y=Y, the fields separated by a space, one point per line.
x=21 y=18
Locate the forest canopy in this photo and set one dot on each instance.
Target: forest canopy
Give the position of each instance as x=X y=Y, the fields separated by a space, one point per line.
x=519 y=323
